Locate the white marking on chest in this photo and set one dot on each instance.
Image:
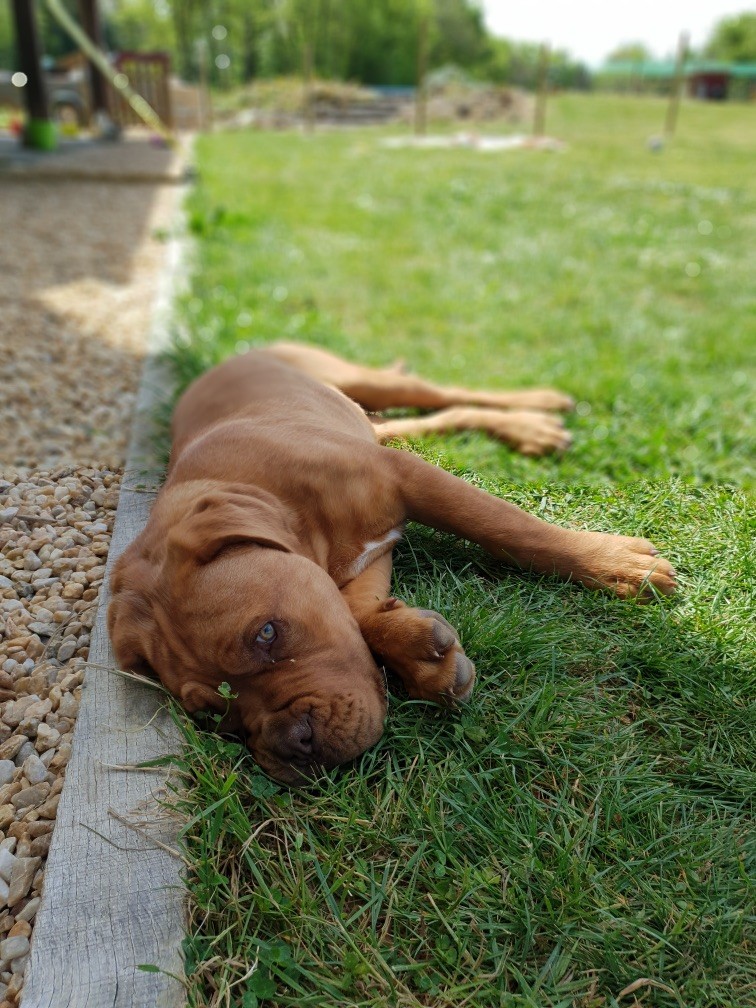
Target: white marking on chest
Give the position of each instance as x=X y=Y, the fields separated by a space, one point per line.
x=372 y=550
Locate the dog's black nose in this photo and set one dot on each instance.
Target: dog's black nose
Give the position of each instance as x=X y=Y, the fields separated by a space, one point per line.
x=296 y=741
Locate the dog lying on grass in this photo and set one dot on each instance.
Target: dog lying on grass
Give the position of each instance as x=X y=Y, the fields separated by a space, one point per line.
x=266 y=560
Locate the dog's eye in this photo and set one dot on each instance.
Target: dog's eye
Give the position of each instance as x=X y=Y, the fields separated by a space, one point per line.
x=266 y=635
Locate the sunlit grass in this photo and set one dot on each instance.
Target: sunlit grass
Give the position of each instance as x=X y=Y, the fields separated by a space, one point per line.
x=586 y=823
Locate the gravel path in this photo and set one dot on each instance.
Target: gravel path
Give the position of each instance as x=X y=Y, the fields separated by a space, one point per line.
x=78 y=266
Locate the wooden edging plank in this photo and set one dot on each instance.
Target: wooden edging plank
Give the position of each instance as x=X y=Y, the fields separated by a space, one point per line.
x=113 y=898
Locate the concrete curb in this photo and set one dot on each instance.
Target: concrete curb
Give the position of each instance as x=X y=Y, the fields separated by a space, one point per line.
x=113 y=898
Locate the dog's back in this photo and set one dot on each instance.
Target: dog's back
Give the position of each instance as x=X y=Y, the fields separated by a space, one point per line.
x=257 y=384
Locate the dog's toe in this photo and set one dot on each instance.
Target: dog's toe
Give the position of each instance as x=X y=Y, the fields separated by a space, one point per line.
x=464 y=675
x=443 y=637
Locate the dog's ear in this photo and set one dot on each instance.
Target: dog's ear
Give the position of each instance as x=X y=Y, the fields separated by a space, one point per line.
x=131 y=624
x=225 y=518
x=137 y=642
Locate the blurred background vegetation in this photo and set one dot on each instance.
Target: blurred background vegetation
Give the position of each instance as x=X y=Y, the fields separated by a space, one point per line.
x=364 y=41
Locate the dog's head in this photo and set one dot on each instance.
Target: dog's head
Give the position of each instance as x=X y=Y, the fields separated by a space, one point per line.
x=226 y=597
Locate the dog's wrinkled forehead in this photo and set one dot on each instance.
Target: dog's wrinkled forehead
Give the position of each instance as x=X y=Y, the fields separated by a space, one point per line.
x=254 y=606
x=227 y=518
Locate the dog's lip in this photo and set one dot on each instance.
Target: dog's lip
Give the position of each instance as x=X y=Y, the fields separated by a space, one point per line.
x=292 y=771
x=300 y=775
x=300 y=769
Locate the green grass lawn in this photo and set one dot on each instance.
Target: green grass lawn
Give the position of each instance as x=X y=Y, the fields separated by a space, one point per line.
x=584 y=827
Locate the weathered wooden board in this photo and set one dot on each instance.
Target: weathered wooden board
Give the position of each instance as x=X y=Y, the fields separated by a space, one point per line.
x=113 y=898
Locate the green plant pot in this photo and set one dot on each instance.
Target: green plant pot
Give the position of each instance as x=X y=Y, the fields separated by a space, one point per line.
x=41 y=135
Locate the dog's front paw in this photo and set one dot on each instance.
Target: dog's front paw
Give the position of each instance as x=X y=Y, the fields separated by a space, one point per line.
x=630 y=567
x=424 y=651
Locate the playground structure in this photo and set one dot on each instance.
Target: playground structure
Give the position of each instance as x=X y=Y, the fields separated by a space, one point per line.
x=111 y=100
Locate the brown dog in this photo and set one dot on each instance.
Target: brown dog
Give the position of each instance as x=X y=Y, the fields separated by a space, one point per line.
x=266 y=561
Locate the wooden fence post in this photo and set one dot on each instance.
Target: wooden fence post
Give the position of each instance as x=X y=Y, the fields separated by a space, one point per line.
x=309 y=103
x=542 y=90
x=673 y=108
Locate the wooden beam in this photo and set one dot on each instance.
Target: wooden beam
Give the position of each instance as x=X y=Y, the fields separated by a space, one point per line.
x=30 y=59
x=90 y=21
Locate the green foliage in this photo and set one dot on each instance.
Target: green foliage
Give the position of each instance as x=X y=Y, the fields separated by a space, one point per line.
x=7 y=39
x=587 y=820
x=382 y=46
x=734 y=39
x=55 y=41
x=630 y=52
x=140 y=25
x=367 y=41
x=460 y=35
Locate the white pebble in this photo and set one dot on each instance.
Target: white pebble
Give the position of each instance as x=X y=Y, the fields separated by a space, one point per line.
x=47 y=737
x=7 y=860
x=13 y=947
x=34 y=769
x=67 y=649
x=30 y=910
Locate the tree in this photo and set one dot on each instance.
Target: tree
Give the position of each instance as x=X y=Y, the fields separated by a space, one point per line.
x=140 y=24
x=630 y=52
x=7 y=39
x=734 y=39
x=459 y=34
x=367 y=41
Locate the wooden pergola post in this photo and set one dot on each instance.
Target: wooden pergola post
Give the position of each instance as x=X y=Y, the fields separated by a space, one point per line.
x=90 y=22
x=39 y=132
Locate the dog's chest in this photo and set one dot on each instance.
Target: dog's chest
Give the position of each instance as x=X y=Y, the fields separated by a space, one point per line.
x=371 y=551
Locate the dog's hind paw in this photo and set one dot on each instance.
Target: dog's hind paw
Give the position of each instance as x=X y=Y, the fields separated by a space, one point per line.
x=536 y=399
x=527 y=431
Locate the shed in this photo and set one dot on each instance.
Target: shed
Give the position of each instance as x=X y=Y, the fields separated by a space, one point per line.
x=716 y=81
x=709 y=80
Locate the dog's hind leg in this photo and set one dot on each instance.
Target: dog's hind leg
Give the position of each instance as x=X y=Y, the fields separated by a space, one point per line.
x=527 y=431
x=377 y=389
x=417 y=644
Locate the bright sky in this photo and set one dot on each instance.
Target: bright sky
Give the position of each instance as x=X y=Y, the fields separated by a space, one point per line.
x=590 y=29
